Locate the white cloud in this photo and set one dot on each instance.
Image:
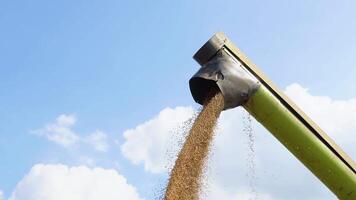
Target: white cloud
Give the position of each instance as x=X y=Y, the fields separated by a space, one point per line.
x=58 y=182
x=336 y=117
x=98 y=140
x=217 y=192
x=87 y=161
x=150 y=142
x=279 y=174
x=61 y=132
x=1 y=195
x=66 y=120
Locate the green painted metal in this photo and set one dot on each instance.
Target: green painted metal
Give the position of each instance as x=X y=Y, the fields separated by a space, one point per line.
x=288 y=123
x=302 y=143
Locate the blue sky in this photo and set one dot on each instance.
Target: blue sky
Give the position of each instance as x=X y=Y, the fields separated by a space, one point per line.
x=112 y=65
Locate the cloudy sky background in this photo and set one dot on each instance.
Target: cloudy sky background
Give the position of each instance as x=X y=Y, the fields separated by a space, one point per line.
x=94 y=95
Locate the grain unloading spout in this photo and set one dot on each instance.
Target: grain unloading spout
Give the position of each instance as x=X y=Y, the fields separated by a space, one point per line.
x=226 y=68
x=228 y=75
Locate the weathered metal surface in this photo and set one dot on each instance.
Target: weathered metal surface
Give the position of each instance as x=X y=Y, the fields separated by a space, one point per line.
x=233 y=80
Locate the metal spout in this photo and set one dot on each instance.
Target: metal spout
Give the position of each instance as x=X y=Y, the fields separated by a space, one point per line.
x=226 y=74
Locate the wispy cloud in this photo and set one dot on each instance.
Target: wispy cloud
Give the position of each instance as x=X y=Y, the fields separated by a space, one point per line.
x=62 y=133
x=98 y=140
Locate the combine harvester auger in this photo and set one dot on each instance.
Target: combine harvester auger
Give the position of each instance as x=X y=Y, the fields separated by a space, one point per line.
x=226 y=68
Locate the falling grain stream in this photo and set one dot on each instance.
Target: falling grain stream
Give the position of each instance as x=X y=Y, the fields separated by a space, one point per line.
x=185 y=178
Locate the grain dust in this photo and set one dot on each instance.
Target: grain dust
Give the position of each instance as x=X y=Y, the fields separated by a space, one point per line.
x=251 y=158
